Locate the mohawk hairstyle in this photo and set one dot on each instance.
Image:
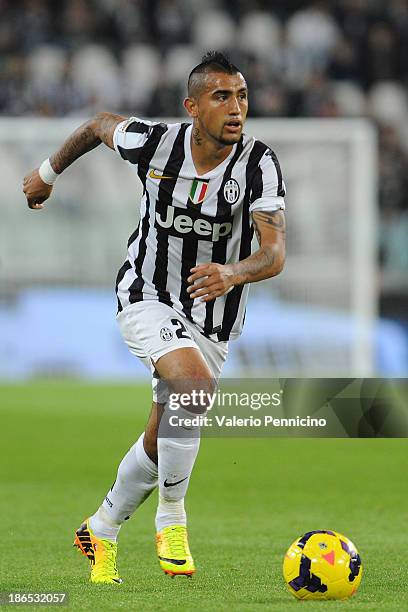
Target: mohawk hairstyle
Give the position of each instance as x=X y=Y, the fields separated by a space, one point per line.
x=212 y=61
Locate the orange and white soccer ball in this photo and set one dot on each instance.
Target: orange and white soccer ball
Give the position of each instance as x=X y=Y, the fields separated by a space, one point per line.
x=322 y=565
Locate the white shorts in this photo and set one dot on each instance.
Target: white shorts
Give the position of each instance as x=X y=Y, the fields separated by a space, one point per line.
x=152 y=329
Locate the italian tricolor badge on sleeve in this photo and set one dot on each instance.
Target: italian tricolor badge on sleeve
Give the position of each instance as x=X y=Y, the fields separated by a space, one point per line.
x=198 y=191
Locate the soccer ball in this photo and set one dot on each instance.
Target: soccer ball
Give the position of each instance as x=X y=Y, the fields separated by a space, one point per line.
x=322 y=565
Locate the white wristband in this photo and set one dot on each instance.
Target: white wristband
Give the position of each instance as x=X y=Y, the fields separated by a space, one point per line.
x=47 y=173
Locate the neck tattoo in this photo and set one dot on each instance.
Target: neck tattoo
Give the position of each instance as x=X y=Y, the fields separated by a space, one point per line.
x=196 y=136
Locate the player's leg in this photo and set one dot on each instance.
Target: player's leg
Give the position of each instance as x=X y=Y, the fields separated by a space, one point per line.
x=152 y=332
x=182 y=371
x=136 y=478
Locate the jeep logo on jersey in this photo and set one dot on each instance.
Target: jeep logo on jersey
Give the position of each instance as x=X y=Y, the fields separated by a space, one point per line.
x=184 y=223
x=231 y=191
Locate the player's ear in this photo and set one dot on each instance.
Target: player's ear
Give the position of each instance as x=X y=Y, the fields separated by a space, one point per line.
x=191 y=107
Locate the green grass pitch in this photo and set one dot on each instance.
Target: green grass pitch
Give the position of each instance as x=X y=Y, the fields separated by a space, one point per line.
x=248 y=499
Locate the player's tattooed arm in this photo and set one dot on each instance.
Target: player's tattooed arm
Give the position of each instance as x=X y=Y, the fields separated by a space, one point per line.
x=88 y=136
x=211 y=280
x=269 y=259
x=84 y=139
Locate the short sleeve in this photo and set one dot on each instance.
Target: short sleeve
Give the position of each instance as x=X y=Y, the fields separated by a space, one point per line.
x=130 y=136
x=268 y=188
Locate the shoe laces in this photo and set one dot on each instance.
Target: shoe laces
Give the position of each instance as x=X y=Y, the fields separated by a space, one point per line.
x=176 y=540
x=108 y=564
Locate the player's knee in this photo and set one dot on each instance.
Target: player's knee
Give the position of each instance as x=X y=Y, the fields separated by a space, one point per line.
x=195 y=395
x=187 y=379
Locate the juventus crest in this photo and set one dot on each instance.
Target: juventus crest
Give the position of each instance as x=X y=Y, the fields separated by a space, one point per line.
x=231 y=191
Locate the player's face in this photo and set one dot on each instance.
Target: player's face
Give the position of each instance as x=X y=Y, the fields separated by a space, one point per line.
x=222 y=107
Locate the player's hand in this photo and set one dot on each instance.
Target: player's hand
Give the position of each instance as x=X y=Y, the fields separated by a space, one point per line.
x=209 y=281
x=36 y=191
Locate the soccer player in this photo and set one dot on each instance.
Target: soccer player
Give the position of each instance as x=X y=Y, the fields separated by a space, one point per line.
x=183 y=288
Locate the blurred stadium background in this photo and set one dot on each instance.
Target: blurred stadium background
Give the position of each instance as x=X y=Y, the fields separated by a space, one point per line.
x=328 y=92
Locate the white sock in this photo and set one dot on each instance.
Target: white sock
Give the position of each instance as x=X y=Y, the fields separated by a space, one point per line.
x=170 y=513
x=135 y=480
x=103 y=526
x=176 y=461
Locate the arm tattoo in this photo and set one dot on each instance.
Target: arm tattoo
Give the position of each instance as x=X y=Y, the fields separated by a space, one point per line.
x=272 y=218
x=268 y=261
x=196 y=136
x=84 y=139
x=106 y=125
x=257 y=232
x=81 y=141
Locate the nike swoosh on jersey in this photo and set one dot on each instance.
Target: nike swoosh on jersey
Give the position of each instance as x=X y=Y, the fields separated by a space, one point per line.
x=153 y=174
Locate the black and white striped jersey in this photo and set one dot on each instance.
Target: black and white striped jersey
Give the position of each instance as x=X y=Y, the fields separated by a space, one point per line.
x=187 y=219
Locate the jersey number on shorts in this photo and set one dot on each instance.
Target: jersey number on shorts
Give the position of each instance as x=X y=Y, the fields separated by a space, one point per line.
x=181 y=331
